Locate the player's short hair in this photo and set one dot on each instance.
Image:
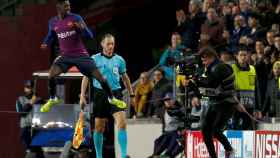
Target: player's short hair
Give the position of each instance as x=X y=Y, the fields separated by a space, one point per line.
x=243 y=48
x=107 y=35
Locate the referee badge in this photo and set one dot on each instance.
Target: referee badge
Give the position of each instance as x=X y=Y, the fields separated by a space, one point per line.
x=116 y=70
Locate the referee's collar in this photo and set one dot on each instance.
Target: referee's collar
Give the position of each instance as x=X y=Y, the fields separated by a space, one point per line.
x=108 y=57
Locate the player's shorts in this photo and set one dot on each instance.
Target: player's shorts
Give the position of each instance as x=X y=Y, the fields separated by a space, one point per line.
x=101 y=106
x=85 y=64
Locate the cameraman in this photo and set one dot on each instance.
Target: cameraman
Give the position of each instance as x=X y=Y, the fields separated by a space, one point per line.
x=217 y=83
x=173 y=122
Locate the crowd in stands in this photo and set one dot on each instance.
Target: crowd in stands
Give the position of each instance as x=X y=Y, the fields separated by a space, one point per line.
x=245 y=34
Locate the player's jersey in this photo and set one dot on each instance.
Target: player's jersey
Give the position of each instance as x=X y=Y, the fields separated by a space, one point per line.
x=110 y=68
x=69 y=37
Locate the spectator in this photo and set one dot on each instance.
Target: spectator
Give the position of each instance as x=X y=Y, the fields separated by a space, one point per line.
x=238 y=31
x=268 y=13
x=245 y=75
x=275 y=28
x=226 y=56
x=171 y=55
x=197 y=18
x=262 y=66
x=276 y=53
x=212 y=30
x=185 y=29
x=161 y=86
x=270 y=38
x=269 y=43
x=142 y=92
x=172 y=124
x=256 y=31
x=207 y=4
x=272 y=97
x=228 y=16
x=180 y=17
x=235 y=11
x=277 y=14
x=259 y=52
x=244 y=9
x=24 y=106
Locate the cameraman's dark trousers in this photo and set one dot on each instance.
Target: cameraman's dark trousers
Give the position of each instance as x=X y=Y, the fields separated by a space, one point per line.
x=214 y=123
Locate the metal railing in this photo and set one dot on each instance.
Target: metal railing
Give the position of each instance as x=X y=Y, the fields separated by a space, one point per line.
x=126 y=96
x=7 y=4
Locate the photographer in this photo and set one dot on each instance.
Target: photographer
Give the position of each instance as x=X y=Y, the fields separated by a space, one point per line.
x=24 y=106
x=217 y=83
x=173 y=122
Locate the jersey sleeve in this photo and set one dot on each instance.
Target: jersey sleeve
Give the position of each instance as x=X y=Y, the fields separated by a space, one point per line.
x=51 y=33
x=122 y=68
x=86 y=32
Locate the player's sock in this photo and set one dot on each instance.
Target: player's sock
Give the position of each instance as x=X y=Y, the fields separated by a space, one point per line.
x=52 y=88
x=98 y=143
x=122 y=138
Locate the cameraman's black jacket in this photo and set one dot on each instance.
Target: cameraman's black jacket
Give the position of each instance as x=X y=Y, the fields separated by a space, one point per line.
x=217 y=83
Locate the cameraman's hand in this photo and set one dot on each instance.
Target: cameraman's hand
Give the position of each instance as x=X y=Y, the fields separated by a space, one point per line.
x=195 y=102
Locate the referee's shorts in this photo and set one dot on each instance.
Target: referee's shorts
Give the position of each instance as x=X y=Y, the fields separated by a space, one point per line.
x=101 y=106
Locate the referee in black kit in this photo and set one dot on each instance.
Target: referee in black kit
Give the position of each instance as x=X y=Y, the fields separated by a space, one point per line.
x=217 y=83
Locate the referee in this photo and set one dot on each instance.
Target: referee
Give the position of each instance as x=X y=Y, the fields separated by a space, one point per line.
x=113 y=68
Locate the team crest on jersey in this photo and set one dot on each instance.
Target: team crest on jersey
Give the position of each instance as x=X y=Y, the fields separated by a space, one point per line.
x=55 y=28
x=70 y=24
